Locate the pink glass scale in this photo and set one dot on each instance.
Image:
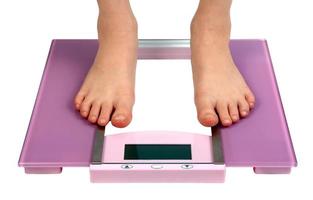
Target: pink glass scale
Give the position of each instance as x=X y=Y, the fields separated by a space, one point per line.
x=58 y=137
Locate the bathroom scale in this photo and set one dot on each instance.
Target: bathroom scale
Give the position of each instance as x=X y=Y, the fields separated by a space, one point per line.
x=57 y=136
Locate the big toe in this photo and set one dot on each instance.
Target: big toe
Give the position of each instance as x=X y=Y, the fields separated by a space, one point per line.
x=208 y=119
x=122 y=115
x=206 y=114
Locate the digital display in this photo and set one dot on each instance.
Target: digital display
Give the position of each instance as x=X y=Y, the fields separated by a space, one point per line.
x=157 y=152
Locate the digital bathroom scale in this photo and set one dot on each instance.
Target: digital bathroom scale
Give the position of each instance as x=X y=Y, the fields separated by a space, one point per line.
x=59 y=137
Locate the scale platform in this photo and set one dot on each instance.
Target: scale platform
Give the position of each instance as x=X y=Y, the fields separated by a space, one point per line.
x=59 y=137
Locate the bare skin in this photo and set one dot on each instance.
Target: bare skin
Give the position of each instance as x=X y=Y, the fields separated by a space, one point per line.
x=108 y=89
x=221 y=94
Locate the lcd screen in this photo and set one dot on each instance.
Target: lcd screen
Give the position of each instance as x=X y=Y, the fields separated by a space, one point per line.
x=157 y=152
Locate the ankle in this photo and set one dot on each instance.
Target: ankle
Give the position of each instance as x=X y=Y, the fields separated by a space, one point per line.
x=117 y=23
x=114 y=6
x=208 y=24
x=213 y=18
x=116 y=15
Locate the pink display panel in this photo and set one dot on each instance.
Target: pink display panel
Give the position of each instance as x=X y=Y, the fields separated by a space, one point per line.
x=201 y=145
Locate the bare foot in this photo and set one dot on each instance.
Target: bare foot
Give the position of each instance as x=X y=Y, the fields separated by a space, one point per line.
x=221 y=93
x=108 y=89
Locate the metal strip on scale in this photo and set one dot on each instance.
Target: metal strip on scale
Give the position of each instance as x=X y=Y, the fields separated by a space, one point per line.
x=98 y=146
x=164 y=43
x=218 y=154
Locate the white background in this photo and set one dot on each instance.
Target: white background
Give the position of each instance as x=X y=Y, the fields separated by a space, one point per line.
x=26 y=30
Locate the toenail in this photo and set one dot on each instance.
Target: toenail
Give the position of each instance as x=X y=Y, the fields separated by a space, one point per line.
x=244 y=113
x=251 y=105
x=120 y=118
x=226 y=121
x=235 y=117
x=93 y=118
x=84 y=113
x=208 y=116
x=102 y=121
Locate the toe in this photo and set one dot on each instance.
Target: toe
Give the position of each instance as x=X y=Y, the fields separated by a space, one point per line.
x=122 y=114
x=79 y=99
x=206 y=114
x=105 y=113
x=222 y=109
x=94 y=112
x=250 y=99
x=233 y=111
x=85 y=108
x=243 y=107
